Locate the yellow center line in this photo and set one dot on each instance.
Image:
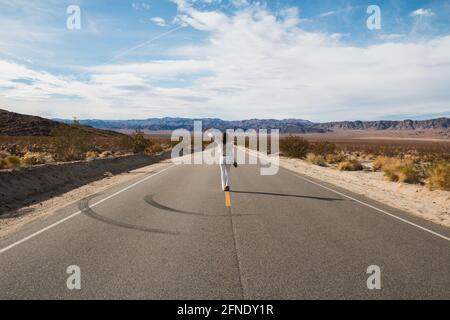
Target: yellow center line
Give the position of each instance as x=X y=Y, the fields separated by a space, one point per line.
x=227 y=199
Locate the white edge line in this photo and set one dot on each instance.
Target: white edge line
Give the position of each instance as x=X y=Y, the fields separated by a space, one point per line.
x=363 y=203
x=372 y=207
x=78 y=212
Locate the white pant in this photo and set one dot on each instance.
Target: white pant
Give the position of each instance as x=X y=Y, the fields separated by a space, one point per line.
x=225 y=175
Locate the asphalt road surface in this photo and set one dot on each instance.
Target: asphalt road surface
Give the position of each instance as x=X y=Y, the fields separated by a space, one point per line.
x=176 y=235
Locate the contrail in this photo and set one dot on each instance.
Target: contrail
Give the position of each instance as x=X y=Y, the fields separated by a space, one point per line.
x=145 y=43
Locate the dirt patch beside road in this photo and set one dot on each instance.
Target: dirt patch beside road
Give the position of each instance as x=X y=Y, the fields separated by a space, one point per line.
x=16 y=219
x=19 y=188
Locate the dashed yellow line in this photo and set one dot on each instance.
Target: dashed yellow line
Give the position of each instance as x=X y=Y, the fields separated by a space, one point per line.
x=227 y=199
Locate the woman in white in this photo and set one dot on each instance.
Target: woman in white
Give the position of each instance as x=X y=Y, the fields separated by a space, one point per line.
x=227 y=159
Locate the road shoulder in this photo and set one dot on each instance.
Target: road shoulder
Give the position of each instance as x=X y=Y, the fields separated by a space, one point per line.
x=44 y=210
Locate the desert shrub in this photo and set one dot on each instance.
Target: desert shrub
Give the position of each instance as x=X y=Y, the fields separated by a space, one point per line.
x=401 y=170
x=322 y=148
x=391 y=175
x=350 y=165
x=438 y=176
x=33 y=158
x=379 y=162
x=91 y=155
x=156 y=148
x=2 y=164
x=71 y=142
x=11 y=162
x=408 y=174
x=316 y=159
x=335 y=158
x=136 y=143
x=295 y=147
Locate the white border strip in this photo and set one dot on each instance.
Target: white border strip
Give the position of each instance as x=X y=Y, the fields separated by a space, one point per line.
x=78 y=212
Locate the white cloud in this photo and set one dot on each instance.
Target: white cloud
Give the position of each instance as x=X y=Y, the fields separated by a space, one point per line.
x=392 y=36
x=255 y=64
x=422 y=13
x=159 y=21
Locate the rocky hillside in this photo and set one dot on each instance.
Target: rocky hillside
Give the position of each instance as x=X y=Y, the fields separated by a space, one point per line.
x=434 y=124
x=15 y=124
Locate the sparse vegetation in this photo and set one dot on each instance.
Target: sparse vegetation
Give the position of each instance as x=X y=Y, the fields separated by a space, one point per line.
x=318 y=160
x=91 y=155
x=379 y=162
x=396 y=169
x=71 y=142
x=34 y=158
x=438 y=175
x=322 y=148
x=400 y=161
x=350 y=165
x=335 y=158
x=156 y=148
x=426 y=151
x=136 y=143
x=295 y=147
x=10 y=162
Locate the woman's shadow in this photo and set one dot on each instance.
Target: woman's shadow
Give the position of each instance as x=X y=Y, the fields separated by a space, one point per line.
x=286 y=195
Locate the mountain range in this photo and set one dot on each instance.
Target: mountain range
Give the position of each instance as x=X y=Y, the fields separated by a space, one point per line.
x=285 y=126
x=15 y=124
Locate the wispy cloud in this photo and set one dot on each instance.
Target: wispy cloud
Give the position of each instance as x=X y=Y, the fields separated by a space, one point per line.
x=335 y=12
x=422 y=13
x=392 y=36
x=161 y=22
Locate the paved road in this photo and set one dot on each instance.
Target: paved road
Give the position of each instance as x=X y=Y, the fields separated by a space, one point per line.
x=171 y=236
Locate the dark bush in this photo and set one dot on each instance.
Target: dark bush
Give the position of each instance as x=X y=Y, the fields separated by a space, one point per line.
x=323 y=148
x=295 y=147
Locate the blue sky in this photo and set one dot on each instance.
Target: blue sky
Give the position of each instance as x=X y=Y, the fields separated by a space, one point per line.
x=232 y=59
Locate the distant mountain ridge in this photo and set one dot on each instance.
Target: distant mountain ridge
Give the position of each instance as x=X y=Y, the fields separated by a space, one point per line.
x=15 y=124
x=432 y=124
x=168 y=124
x=285 y=126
